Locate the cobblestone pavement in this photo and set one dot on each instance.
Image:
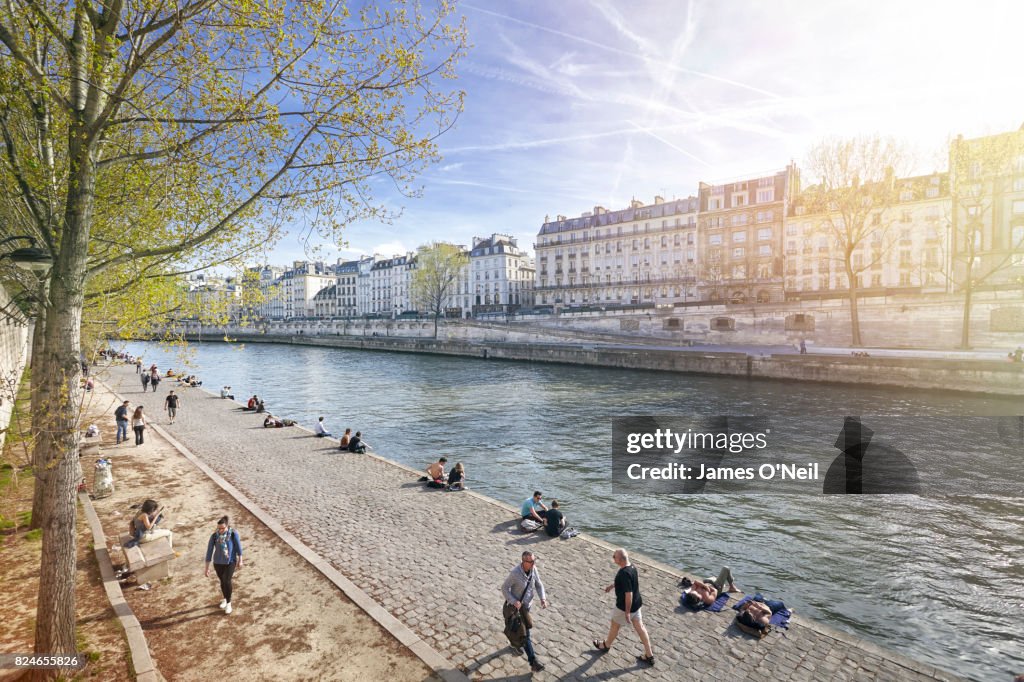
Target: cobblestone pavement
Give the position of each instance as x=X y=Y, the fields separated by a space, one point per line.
x=436 y=561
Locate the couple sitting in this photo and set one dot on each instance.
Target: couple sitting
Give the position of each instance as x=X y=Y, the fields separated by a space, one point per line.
x=698 y=595
x=535 y=515
x=436 y=478
x=352 y=443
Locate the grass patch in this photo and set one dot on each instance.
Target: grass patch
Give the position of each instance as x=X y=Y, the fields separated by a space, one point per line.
x=34 y=535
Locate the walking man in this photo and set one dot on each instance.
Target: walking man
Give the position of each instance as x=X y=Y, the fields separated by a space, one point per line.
x=519 y=589
x=121 y=416
x=171 y=405
x=145 y=381
x=627 y=607
x=138 y=365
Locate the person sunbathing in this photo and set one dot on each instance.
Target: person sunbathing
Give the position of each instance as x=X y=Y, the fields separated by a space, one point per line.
x=272 y=422
x=705 y=593
x=755 y=614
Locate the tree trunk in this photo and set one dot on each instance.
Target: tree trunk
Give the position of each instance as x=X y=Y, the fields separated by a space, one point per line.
x=59 y=374
x=38 y=416
x=855 y=339
x=965 y=328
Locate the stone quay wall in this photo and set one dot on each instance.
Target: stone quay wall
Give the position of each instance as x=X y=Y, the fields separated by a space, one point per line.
x=973 y=376
x=15 y=340
x=923 y=322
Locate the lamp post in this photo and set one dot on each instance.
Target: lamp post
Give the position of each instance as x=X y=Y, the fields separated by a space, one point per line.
x=30 y=257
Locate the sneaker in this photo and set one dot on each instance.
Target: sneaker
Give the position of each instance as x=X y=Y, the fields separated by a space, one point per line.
x=223 y=603
x=536 y=666
x=227 y=609
x=518 y=650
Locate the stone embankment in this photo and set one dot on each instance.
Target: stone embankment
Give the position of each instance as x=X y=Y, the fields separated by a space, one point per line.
x=996 y=377
x=436 y=560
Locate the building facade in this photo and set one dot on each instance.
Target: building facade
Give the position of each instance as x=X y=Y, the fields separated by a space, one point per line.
x=740 y=238
x=904 y=247
x=644 y=254
x=500 y=275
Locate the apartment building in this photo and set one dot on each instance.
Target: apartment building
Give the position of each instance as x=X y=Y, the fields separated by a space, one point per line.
x=740 y=237
x=299 y=284
x=647 y=253
x=987 y=213
x=905 y=246
x=500 y=275
x=390 y=281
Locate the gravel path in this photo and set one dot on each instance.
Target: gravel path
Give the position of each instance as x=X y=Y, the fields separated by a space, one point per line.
x=436 y=561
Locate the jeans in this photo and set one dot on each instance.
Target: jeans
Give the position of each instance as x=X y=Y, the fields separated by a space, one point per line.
x=224 y=572
x=723 y=580
x=531 y=656
x=122 y=430
x=138 y=434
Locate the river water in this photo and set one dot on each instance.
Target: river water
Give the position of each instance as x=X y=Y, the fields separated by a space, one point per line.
x=940 y=579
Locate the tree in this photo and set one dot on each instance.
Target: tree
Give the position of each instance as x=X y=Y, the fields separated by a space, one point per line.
x=141 y=136
x=985 y=244
x=435 y=279
x=857 y=187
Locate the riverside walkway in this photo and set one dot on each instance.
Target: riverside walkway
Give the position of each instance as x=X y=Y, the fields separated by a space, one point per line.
x=436 y=561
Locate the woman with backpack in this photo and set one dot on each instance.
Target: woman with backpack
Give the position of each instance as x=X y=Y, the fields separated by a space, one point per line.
x=225 y=551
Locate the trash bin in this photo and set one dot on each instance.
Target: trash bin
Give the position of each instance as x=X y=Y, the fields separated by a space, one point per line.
x=103 y=481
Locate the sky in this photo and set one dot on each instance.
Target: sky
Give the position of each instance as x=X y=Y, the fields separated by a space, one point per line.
x=579 y=103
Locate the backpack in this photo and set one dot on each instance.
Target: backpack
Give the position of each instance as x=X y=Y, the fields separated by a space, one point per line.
x=529 y=525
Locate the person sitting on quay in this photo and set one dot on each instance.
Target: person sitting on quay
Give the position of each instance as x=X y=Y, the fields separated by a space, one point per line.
x=143 y=526
x=700 y=594
x=260 y=407
x=320 y=430
x=170 y=374
x=357 y=444
x=1018 y=355
x=457 y=478
x=435 y=477
x=554 y=521
x=345 y=439
x=251 y=405
x=226 y=393
x=534 y=509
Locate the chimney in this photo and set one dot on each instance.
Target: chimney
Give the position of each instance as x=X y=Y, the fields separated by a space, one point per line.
x=658 y=199
x=636 y=203
x=598 y=210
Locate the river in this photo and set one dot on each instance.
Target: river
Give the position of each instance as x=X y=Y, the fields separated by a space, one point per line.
x=940 y=579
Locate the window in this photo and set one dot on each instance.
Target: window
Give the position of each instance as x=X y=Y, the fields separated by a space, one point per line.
x=764 y=233
x=1017 y=238
x=739 y=236
x=766 y=182
x=714 y=204
x=764 y=250
x=1018 y=184
x=905 y=217
x=739 y=200
x=907 y=195
x=765 y=195
x=738 y=252
x=791 y=229
x=715 y=239
x=1018 y=207
x=676 y=240
x=664 y=241
x=765 y=216
x=932 y=192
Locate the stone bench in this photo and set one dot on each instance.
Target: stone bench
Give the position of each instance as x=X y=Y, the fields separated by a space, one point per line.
x=149 y=560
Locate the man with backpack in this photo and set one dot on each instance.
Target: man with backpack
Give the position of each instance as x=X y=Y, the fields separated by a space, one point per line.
x=519 y=589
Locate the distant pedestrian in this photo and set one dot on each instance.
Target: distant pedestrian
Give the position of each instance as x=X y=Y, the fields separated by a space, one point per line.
x=145 y=381
x=803 y=346
x=627 y=607
x=519 y=589
x=225 y=551
x=139 y=425
x=154 y=381
x=138 y=366
x=121 y=417
x=171 y=404
x=321 y=430
x=1018 y=354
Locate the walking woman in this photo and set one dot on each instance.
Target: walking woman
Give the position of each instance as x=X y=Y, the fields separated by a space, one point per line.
x=138 y=425
x=225 y=550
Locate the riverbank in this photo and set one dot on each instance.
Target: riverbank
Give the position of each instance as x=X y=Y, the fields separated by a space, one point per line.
x=435 y=561
x=288 y=619
x=981 y=376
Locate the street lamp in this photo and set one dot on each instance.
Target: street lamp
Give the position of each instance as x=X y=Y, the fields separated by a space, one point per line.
x=30 y=257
